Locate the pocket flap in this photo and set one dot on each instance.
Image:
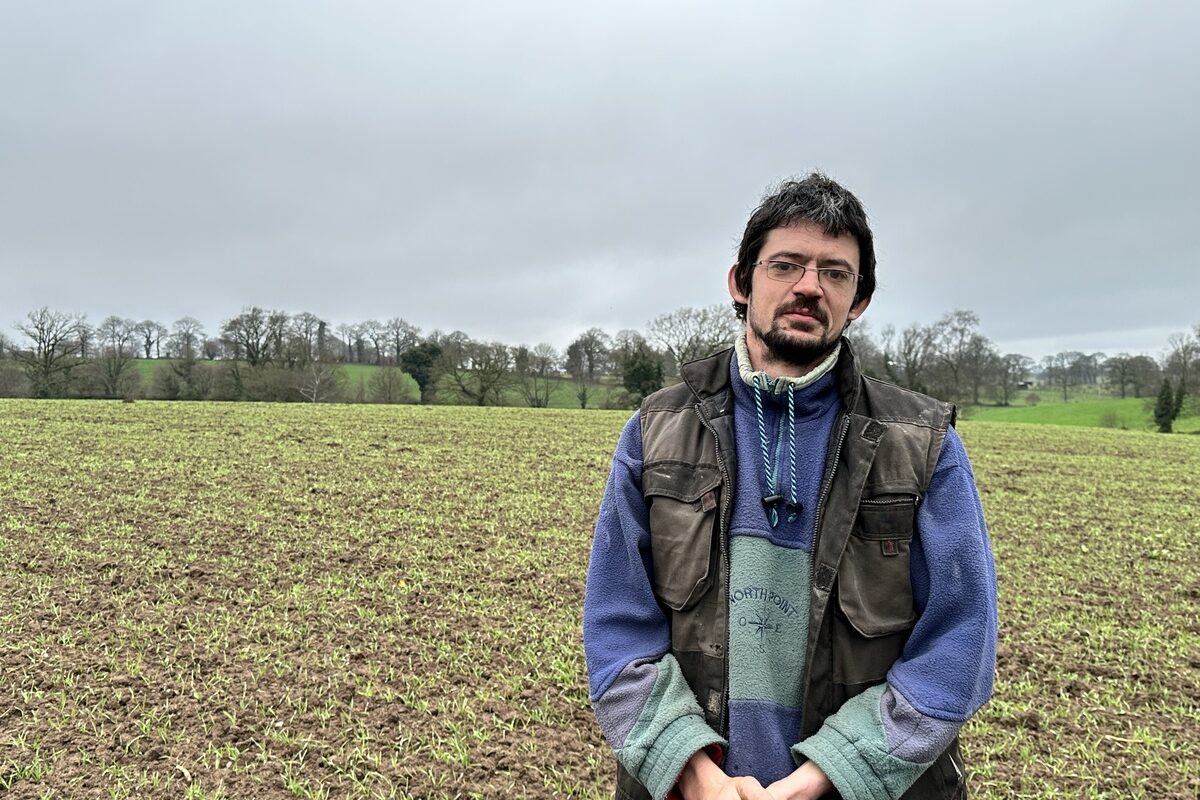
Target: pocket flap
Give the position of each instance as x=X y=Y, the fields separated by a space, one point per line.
x=886 y=517
x=683 y=500
x=684 y=482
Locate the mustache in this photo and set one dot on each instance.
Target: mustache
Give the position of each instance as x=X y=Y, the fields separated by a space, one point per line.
x=808 y=307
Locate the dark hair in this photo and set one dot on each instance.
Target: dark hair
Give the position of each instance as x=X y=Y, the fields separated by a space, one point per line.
x=818 y=199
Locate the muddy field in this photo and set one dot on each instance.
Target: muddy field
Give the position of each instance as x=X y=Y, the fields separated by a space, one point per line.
x=232 y=601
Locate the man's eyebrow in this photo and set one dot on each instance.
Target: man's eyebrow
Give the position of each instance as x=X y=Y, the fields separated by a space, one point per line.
x=800 y=258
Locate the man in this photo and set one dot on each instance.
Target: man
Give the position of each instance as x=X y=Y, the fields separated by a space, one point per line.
x=791 y=592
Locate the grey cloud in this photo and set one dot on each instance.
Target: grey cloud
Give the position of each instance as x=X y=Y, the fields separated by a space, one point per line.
x=520 y=171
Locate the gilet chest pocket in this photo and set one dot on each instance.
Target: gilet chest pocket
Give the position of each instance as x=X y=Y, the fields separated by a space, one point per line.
x=874 y=585
x=683 y=501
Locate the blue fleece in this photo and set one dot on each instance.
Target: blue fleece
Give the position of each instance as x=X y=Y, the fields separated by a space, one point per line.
x=948 y=663
x=771 y=571
x=648 y=713
x=651 y=717
x=621 y=618
x=816 y=408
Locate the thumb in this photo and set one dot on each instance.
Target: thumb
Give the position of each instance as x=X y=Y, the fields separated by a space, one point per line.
x=751 y=789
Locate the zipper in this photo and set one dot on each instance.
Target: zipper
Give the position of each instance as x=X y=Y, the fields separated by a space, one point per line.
x=723 y=536
x=837 y=456
x=812 y=577
x=902 y=500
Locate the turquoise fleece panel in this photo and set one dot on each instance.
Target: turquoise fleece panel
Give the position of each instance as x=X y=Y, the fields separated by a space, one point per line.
x=669 y=731
x=618 y=709
x=682 y=739
x=852 y=749
x=768 y=620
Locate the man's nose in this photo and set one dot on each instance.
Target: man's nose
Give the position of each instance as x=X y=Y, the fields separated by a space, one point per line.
x=809 y=283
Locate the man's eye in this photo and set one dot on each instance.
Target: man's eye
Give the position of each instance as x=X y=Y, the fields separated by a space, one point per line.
x=838 y=275
x=783 y=266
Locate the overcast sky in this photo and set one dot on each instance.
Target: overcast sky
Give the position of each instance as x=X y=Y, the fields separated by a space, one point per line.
x=524 y=171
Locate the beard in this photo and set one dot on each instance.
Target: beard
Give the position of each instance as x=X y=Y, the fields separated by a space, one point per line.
x=783 y=347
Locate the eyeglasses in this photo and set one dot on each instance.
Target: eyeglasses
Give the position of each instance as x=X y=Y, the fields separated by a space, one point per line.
x=830 y=278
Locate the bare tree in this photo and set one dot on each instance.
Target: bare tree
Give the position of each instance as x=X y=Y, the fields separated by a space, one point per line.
x=1145 y=375
x=118 y=349
x=452 y=347
x=86 y=335
x=981 y=364
x=320 y=380
x=1011 y=371
x=909 y=356
x=187 y=334
x=535 y=373
x=1058 y=371
x=576 y=364
x=358 y=335
x=1121 y=373
x=1183 y=352
x=161 y=332
x=481 y=372
x=151 y=333
x=402 y=335
x=346 y=336
x=953 y=339
x=307 y=328
x=691 y=333
x=52 y=352
x=592 y=346
x=146 y=329
x=377 y=334
x=279 y=325
x=1087 y=368
x=248 y=336
x=868 y=354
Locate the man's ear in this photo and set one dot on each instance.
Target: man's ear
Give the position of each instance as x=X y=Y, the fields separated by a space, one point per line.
x=858 y=308
x=734 y=292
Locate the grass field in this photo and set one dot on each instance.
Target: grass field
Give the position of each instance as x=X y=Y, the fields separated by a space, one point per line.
x=1087 y=406
x=1089 y=411
x=356 y=383
x=276 y=601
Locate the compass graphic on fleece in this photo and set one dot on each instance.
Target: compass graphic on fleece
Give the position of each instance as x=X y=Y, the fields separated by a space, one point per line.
x=763 y=626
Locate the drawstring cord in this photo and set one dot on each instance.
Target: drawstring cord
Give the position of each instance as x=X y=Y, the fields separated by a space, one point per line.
x=770 y=474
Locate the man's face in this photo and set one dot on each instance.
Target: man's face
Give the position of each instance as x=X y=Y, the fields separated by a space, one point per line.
x=792 y=327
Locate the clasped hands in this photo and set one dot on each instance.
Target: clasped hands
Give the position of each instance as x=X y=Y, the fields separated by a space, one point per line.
x=702 y=779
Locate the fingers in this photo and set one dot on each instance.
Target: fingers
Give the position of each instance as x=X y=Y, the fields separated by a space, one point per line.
x=750 y=789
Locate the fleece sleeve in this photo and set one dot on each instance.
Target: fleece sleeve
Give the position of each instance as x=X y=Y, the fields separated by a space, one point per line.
x=642 y=701
x=879 y=742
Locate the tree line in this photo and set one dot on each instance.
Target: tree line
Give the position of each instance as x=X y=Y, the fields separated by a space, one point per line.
x=261 y=354
x=951 y=359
